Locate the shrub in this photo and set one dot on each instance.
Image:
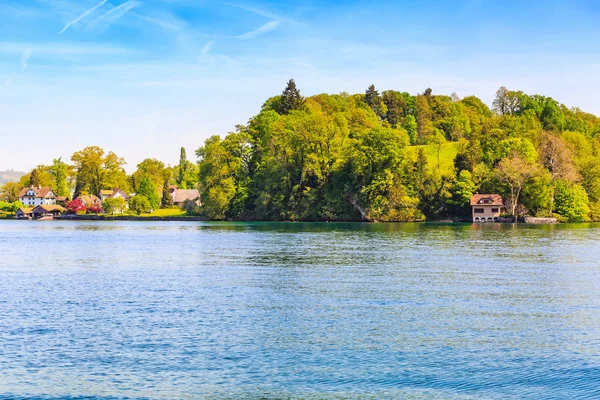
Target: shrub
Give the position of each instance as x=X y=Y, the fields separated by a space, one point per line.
x=139 y=204
x=116 y=205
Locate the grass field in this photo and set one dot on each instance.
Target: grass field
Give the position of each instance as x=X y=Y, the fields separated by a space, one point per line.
x=166 y=212
x=447 y=154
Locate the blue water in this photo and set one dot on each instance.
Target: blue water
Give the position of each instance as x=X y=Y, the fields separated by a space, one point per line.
x=185 y=310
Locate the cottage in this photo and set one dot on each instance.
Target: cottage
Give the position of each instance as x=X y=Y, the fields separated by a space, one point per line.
x=486 y=207
x=62 y=200
x=90 y=200
x=25 y=213
x=37 y=196
x=113 y=194
x=180 y=196
x=47 y=212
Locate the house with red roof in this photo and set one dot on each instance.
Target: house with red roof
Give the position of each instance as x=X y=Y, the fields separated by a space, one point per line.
x=486 y=207
x=37 y=196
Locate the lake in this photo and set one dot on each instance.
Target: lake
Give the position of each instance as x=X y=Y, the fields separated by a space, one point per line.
x=185 y=310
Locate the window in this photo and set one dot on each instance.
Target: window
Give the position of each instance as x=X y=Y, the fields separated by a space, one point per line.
x=494 y=210
x=478 y=211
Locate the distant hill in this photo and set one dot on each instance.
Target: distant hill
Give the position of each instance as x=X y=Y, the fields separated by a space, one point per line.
x=10 y=176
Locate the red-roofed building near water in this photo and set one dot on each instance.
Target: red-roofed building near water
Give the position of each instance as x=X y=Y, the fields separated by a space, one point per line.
x=37 y=196
x=486 y=207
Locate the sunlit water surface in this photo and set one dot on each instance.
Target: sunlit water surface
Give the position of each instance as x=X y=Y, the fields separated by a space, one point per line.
x=151 y=310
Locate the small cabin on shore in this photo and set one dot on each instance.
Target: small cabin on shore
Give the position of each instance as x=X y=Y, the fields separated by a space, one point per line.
x=47 y=212
x=486 y=207
x=25 y=213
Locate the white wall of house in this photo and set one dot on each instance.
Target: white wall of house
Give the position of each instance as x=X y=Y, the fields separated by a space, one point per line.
x=486 y=213
x=37 y=201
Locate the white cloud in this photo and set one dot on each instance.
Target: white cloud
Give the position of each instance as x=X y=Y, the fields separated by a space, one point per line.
x=57 y=49
x=114 y=14
x=25 y=59
x=207 y=47
x=82 y=16
x=269 y=26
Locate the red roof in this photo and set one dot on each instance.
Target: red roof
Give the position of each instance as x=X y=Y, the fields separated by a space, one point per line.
x=486 y=199
x=40 y=192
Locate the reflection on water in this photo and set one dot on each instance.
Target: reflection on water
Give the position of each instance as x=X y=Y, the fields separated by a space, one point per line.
x=211 y=310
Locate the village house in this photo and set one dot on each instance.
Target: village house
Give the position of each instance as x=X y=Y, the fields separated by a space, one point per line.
x=25 y=213
x=180 y=196
x=486 y=207
x=90 y=200
x=47 y=212
x=37 y=196
x=113 y=194
x=62 y=200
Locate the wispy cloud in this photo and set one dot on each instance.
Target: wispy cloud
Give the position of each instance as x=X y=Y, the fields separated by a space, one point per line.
x=269 y=26
x=6 y=83
x=58 y=49
x=114 y=14
x=82 y=16
x=207 y=47
x=263 y=13
x=25 y=59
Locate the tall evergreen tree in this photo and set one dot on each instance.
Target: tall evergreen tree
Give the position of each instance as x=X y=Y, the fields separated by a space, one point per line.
x=290 y=98
x=166 y=200
x=34 y=179
x=183 y=166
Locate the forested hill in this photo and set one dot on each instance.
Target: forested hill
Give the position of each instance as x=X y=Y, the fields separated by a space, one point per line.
x=10 y=176
x=385 y=157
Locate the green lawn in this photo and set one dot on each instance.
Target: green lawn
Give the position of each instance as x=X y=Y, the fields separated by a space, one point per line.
x=167 y=212
x=447 y=154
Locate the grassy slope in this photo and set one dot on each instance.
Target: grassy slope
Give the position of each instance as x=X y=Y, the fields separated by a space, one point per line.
x=167 y=212
x=447 y=154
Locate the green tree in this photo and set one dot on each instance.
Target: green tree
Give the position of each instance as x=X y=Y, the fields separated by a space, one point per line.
x=514 y=172
x=115 y=205
x=149 y=168
x=10 y=192
x=139 y=204
x=60 y=172
x=290 y=98
x=148 y=190
x=571 y=201
x=185 y=172
x=96 y=170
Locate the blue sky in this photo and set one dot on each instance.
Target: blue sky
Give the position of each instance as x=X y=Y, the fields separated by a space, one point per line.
x=142 y=78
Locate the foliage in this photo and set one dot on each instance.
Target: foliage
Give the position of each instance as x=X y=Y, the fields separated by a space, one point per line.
x=572 y=202
x=96 y=170
x=60 y=172
x=9 y=192
x=114 y=205
x=139 y=204
x=76 y=207
x=185 y=172
x=290 y=98
x=148 y=190
x=11 y=207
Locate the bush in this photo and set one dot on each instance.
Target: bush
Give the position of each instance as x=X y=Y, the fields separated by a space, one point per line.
x=76 y=207
x=10 y=208
x=116 y=205
x=139 y=204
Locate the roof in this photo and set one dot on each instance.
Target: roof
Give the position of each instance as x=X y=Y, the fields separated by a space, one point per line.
x=50 y=208
x=496 y=199
x=89 y=199
x=40 y=192
x=106 y=192
x=62 y=198
x=181 y=195
x=25 y=210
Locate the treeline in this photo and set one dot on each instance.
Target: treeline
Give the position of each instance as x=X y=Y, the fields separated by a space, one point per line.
x=364 y=157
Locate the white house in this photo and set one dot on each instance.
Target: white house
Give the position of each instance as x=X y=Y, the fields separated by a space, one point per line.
x=37 y=196
x=113 y=194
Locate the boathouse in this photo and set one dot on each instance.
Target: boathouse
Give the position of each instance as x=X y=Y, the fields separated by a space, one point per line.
x=486 y=207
